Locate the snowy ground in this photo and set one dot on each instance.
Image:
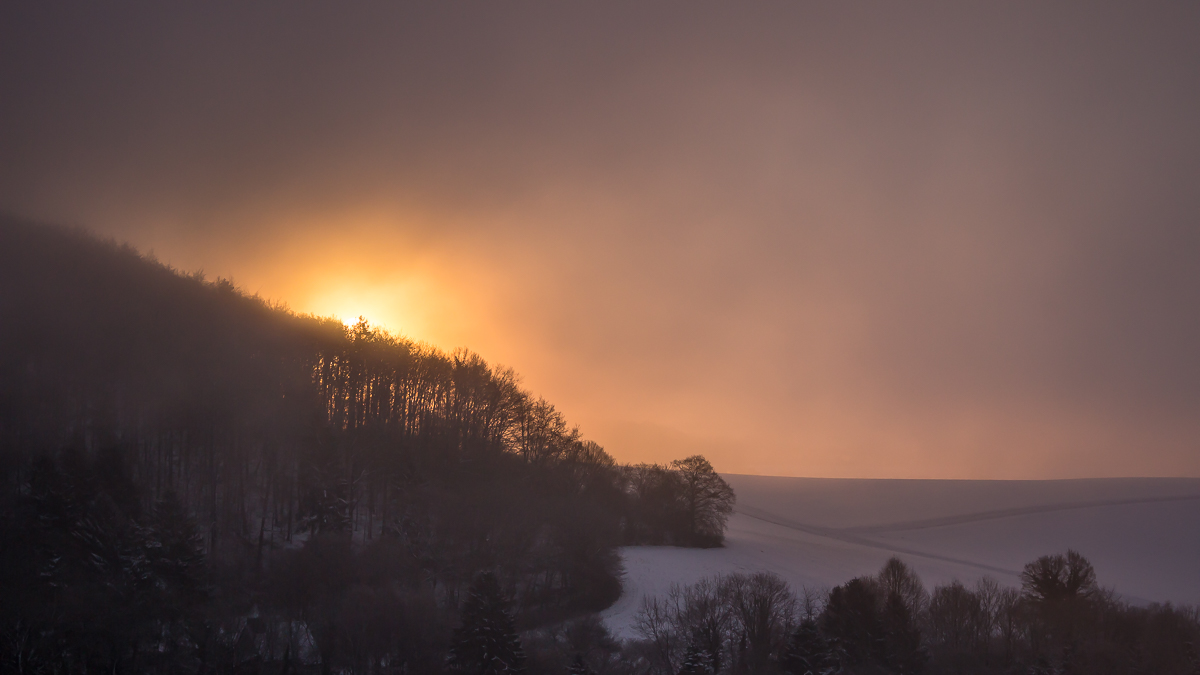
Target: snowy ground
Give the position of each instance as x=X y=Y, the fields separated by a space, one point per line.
x=1142 y=534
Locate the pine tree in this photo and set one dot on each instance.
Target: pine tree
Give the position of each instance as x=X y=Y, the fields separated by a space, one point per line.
x=808 y=652
x=1193 y=656
x=578 y=667
x=176 y=550
x=852 y=620
x=696 y=662
x=486 y=643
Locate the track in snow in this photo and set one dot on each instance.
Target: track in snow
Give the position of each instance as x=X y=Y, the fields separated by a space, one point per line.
x=848 y=537
x=853 y=535
x=1009 y=513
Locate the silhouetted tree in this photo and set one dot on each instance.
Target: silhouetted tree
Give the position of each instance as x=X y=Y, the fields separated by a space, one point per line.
x=897 y=578
x=1051 y=578
x=707 y=500
x=861 y=632
x=808 y=652
x=762 y=611
x=696 y=662
x=486 y=643
x=956 y=617
x=852 y=620
x=1061 y=590
x=903 y=652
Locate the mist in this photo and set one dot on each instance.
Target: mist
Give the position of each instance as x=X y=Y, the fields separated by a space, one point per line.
x=950 y=241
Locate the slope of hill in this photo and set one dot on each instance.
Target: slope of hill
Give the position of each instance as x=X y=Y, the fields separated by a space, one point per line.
x=817 y=533
x=176 y=456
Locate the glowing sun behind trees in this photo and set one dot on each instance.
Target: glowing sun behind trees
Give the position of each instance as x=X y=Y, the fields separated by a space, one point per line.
x=800 y=240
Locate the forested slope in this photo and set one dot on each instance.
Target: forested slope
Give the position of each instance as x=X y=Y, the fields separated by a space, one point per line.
x=215 y=476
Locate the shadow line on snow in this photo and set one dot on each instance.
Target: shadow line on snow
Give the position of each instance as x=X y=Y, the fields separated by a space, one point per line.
x=1009 y=513
x=850 y=537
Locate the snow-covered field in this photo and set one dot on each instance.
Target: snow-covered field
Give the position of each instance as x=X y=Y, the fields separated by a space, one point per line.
x=1141 y=534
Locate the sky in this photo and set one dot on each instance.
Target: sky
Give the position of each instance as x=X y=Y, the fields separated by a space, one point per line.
x=888 y=240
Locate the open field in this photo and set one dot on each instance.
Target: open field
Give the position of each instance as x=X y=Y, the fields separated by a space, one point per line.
x=1142 y=534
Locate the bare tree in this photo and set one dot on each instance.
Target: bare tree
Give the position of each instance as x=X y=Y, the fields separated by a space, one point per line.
x=698 y=616
x=706 y=617
x=955 y=615
x=989 y=592
x=764 y=609
x=897 y=578
x=1010 y=611
x=656 y=621
x=811 y=601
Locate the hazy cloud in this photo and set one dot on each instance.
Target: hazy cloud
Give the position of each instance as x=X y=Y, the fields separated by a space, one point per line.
x=953 y=240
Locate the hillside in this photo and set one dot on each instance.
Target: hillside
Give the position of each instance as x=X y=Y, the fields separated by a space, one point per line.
x=176 y=456
x=193 y=480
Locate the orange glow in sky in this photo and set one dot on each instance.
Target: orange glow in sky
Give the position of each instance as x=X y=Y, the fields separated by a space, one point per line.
x=800 y=239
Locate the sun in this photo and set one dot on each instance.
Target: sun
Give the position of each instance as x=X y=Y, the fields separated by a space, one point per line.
x=351 y=319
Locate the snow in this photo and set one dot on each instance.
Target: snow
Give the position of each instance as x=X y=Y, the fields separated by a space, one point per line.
x=1141 y=534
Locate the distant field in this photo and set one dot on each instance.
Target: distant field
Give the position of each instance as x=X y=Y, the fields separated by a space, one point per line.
x=1142 y=534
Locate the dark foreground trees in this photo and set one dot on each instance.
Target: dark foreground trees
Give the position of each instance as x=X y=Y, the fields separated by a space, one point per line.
x=868 y=626
x=91 y=582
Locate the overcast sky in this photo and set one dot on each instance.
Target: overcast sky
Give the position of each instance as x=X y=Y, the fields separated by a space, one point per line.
x=820 y=239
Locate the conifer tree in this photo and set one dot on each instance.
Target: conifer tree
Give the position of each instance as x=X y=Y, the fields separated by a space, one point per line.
x=486 y=643
x=808 y=652
x=852 y=620
x=177 y=548
x=579 y=667
x=696 y=662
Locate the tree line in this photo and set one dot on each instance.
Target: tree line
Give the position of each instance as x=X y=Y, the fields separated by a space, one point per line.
x=1059 y=622
x=195 y=480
